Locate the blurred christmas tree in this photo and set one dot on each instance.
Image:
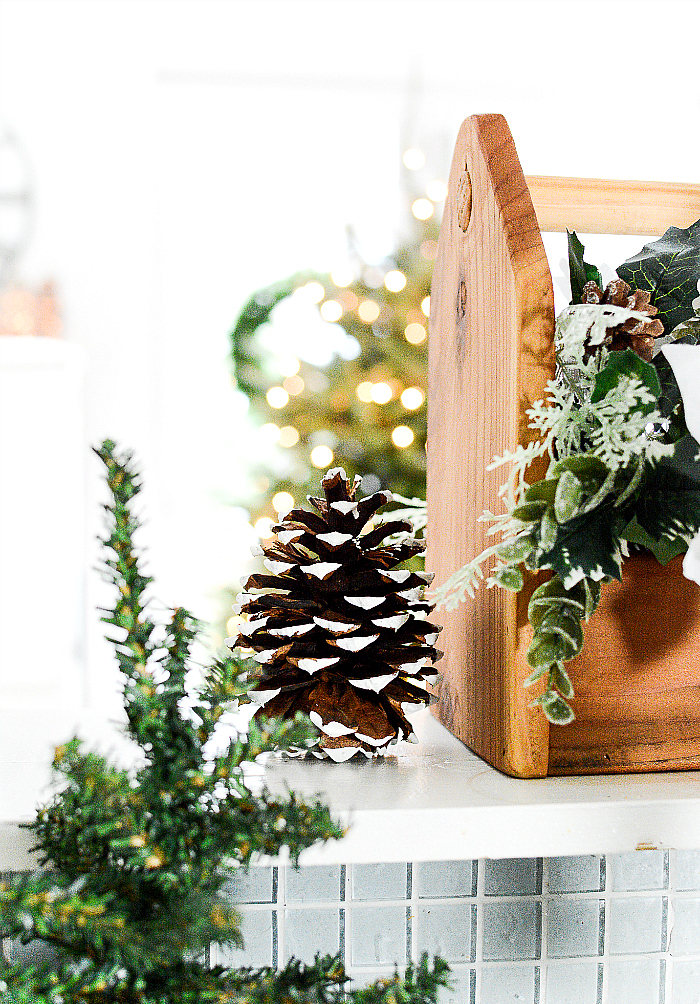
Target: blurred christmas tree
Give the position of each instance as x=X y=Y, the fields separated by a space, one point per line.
x=359 y=402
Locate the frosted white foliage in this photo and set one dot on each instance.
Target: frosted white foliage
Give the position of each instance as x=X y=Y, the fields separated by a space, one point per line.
x=619 y=429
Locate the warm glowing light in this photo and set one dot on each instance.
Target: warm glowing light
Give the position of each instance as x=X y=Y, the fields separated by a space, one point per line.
x=402 y=436
x=381 y=393
x=342 y=276
x=348 y=300
x=425 y=306
x=415 y=333
x=369 y=311
x=436 y=190
x=263 y=527
x=422 y=209
x=313 y=291
x=283 y=502
x=277 y=397
x=412 y=398
x=364 y=391
x=289 y=436
x=288 y=365
x=270 y=433
x=395 y=281
x=321 y=456
x=331 y=310
x=293 y=385
x=414 y=159
x=429 y=250
x=233 y=624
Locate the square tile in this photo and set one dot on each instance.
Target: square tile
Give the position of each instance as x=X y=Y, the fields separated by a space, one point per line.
x=686 y=983
x=463 y=983
x=378 y=936
x=633 y=982
x=256 y=927
x=687 y=870
x=512 y=930
x=377 y=882
x=573 y=928
x=635 y=925
x=507 y=985
x=513 y=877
x=572 y=984
x=443 y=879
x=576 y=874
x=639 y=870
x=685 y=936
x=449 y=930
x=308 y=932
x=252 y=886
x=313 y=884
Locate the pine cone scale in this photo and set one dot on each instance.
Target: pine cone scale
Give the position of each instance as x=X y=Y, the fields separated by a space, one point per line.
x=342 y=635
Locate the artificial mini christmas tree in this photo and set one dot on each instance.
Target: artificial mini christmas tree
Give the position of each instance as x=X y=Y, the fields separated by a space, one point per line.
x=138 y=858
x=340 y=631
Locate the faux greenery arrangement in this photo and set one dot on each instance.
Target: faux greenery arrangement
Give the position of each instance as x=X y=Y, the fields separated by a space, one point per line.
x=136 y=859
x=624 y=471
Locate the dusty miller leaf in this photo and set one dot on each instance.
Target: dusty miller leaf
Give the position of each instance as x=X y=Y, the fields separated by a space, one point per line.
x=669 y=268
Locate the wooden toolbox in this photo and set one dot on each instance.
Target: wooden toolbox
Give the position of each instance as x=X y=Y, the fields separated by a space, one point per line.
x=637 y=680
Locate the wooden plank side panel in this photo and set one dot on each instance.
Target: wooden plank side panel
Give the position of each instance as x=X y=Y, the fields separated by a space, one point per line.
x=490 y=356
x=637 y=680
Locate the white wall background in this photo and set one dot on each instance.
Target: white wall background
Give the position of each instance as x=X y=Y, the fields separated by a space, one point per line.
x=185 y=152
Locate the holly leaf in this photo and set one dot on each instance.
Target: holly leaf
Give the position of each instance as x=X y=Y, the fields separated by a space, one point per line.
x=663 y=549
x=669 y=268
x=580 y=272
x=626 y=363
x=670 y=397
x=587 y=547
x=669 y=503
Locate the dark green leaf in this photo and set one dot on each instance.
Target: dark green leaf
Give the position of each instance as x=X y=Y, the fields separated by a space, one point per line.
x=670 y=396
x=669 y=268
x=587 y=545
x=669 y=503
x=580 y=271
x=629 y=364
x=663 y=549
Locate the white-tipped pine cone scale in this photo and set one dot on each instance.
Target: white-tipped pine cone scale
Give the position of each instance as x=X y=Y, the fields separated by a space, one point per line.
x=341 y=634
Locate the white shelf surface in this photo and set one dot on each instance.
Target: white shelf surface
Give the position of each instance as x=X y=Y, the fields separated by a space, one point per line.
x=437 y=801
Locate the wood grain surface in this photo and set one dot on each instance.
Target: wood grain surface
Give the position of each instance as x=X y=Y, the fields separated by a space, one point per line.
x=491 y=354
x=599 y=206
x=637 y=680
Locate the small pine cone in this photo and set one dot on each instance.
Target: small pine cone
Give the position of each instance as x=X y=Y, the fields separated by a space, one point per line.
x=631 y=334
x=343 y=635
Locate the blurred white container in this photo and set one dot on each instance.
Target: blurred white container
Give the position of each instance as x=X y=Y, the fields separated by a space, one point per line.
x=42 y=561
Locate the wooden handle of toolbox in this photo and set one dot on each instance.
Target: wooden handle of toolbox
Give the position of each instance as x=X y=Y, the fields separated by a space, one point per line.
x=598 y=206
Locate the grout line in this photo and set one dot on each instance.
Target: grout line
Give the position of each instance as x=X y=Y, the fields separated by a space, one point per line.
x=479 y=911
x=606 y=881
x=281 y=889
x=671 y=864
x=345 y=914
x=541 y=972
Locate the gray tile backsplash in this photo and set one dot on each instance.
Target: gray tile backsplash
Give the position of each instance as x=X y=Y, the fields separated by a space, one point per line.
x=578 y=930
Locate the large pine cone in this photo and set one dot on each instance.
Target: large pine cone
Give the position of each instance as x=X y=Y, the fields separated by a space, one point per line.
x=344 y=636
x=632 y=334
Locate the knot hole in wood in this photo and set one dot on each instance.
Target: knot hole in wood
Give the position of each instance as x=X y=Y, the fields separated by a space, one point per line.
x=464 y=200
